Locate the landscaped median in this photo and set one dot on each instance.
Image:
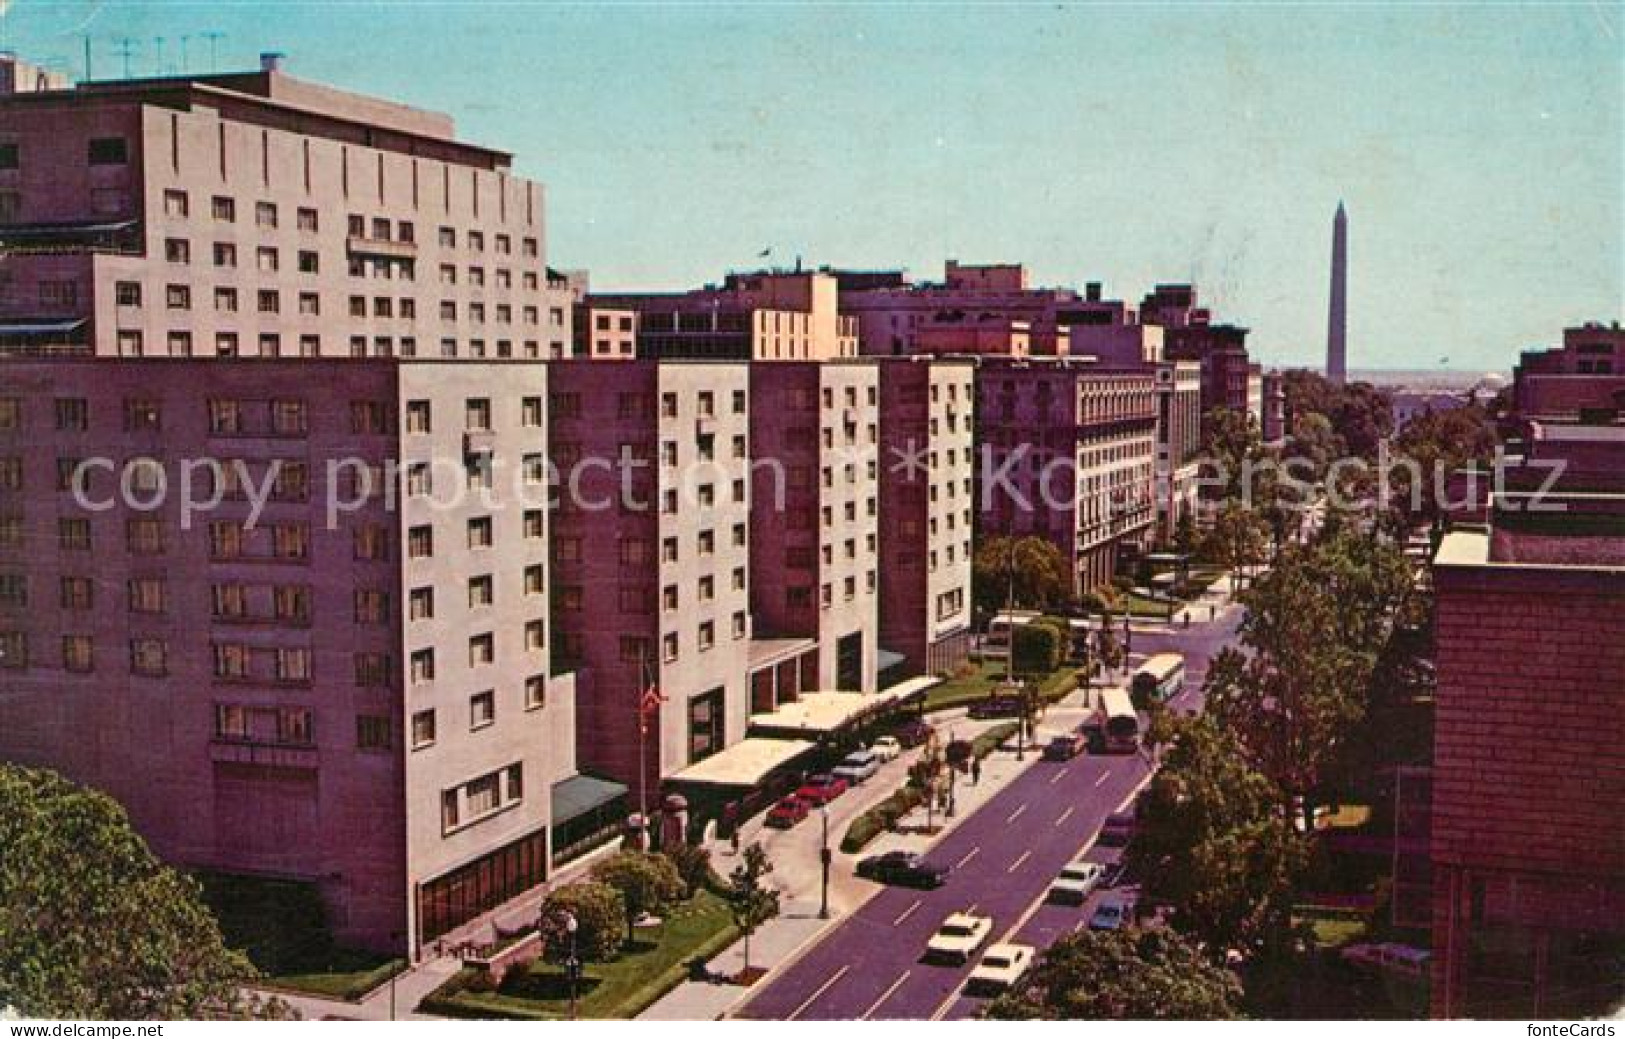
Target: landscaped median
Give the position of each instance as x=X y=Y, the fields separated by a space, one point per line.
x=883 y=816
x=623 y=987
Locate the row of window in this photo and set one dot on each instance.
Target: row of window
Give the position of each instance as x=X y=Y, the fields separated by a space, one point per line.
x=482 y=651
x=567 y=548
x=223 y=208
x=148 y=657
x=482 y=712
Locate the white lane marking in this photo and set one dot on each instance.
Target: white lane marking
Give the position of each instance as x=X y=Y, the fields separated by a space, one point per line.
x=886 y=994
x=1058 y=777
x=833 y=978
x=1013 y=816
x=968 y=856
x=1102 y=780
x=1017 y=864
x=1065 y=815
x=907 y=913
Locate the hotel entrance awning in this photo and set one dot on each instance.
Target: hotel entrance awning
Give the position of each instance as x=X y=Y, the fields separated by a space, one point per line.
x=745 y=764
x=578 y=795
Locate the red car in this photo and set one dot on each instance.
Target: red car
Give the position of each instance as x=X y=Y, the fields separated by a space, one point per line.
x=821 y=789
x=787 y=813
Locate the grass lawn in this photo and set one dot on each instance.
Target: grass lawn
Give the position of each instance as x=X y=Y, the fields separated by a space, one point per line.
x=622 y=988
x=963 y=691
x=280 y=926
x=1142 y=606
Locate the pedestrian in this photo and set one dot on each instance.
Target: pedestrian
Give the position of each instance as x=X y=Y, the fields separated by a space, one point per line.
x=975 y=771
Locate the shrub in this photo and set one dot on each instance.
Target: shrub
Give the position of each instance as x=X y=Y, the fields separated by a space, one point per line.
x=646 y=883
x=599 y=913
x=693 y=864
x=1037 y=650
x=990 y=740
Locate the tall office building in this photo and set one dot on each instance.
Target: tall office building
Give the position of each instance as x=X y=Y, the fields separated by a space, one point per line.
x=1337 y=317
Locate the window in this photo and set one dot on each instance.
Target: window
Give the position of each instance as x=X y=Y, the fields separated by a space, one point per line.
x=422 y=729
x=418 y=416
x=531 y=411
x=668 y=646
x=109 y=151
x=292 y=664
x=371 y=606
x=422 y=664
x=707 y=635
x=371 y=669
x=705 y=725
x=73 y=535
x=144 y=537
x=8 y=155
x=535 y=583
x=225 y=255
x=477 y=414
x=72 y=414
x=481 y=649
x=14 y=589
x=372 y=543
x=420 y=604
x=482 y=709
x=535 y=523
x=307 y=219
x=149 y=657
x=371 y=732
x=480 y=591
x=479 y=532
x=225 y=301
x=420 y=542
x=265 y=214
x=177 y=250
x=309 y=263
x=77 y=653
x=535 y=635
x=175 y=204
x=535 y=692
x=269 y=301
x=147 y=594
x=13 y=650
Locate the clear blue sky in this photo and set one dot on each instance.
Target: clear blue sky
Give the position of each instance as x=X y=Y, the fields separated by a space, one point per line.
x=1479 y=148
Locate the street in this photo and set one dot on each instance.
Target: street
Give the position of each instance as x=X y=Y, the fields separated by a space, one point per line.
x=1004 y=856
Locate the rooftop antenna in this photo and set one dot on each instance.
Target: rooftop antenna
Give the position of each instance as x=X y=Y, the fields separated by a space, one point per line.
x=213 y=36
x=125 y=49
x=86 y=36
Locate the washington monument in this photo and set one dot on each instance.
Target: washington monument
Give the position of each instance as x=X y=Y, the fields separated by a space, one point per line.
x=1337 y=317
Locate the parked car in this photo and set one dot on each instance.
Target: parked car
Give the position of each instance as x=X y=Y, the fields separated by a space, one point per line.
x=821 y=789
x=1065 y=747
x=1003 y=966
x=996 y=707
x=787 y=813
x=1117 y=830
x=857 y=766
x=1075 y=881
x=1398 y=958
x=905 y=868
x=957 y=940
x=1110 y=915
x=914 y=733
x=886 y=748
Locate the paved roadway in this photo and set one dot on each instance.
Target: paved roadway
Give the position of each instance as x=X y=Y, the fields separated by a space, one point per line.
x=1004 y=856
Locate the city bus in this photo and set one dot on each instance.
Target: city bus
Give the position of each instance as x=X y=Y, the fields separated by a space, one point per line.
x=1118 y=725
x=1160 y=678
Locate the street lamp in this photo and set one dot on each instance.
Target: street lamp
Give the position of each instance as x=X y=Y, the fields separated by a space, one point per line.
x=572 y=966
x=824 y=857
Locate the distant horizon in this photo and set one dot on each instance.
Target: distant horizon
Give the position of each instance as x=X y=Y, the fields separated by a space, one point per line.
x=1140 y=144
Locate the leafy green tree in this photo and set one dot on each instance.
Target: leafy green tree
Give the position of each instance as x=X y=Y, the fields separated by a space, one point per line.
x=1211 y=848
x=598 y=912
x=1312 y=630
x=1314 y=441
x=647 y=883
x=693 y=864
x=1238 y=537
x=1042 y=580
x=1037 y=650
x=1131 y=974
x=1437 y=443
x=92 y=925
x=751 y=901
x=1231 y=444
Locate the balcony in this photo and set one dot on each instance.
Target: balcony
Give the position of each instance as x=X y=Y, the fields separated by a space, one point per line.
x=389 y=248
x=118 y=237
x=247 y=751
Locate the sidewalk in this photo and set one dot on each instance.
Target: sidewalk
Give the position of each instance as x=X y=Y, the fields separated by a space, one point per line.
x=797 y=873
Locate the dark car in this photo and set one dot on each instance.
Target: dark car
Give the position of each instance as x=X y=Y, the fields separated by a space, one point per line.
x=913 y=734
x=905 y=868
x=1117 y=830
x=821 y=789
x=996 y=707
x=787 y=813
x=1065 y=748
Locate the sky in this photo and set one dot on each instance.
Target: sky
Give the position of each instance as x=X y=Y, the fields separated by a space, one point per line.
x=1479 y=148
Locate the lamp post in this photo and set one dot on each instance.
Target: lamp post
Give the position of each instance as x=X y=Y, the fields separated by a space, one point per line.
x=572 y=966
x=824 y=857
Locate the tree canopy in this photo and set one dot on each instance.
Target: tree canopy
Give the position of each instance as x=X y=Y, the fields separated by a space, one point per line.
x=1042 y=580
x=93 y=925
x=647 y=883
x=1114 y=975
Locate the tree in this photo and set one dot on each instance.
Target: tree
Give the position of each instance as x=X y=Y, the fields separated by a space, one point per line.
x=1114 y=975
x=1231 y=444
x=1239 y=536
x=1437 y=443
x=92 y=925
x=597 y=910
x=693 y=864
x=751 y=902
x=1042 y=580
x=647 y=883
x=1313 y=626
x=1210 y=846
x=1037 y=650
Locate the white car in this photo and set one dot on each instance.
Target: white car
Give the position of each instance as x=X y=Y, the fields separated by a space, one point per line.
x=1002 y=967
x=857 y=766
x=886 y=748
x=959 y=937
x=1076 y=881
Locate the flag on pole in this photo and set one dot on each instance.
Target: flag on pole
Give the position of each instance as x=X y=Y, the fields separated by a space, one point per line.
x=765 y=253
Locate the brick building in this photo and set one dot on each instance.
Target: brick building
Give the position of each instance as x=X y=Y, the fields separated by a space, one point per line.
x=1528 y=813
